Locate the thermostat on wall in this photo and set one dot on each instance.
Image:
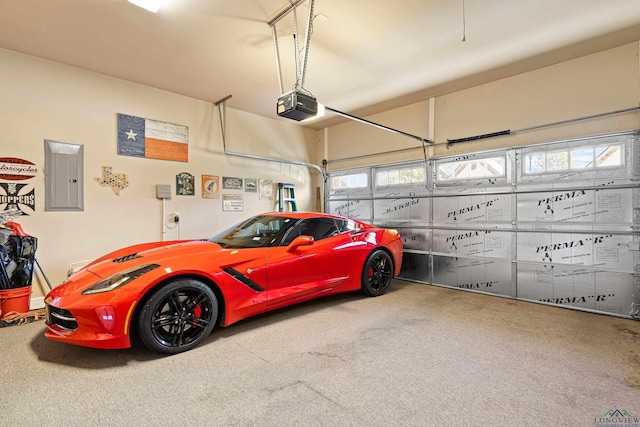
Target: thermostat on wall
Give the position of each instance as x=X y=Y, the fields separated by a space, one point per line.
x=163 y=191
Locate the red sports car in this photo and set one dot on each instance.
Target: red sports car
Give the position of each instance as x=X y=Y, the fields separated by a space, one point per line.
x=170 y=295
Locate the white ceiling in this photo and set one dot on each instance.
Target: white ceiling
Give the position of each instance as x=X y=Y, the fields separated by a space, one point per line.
x=365 y=56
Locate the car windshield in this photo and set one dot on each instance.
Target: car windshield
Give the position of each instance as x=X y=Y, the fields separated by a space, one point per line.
x=256 y=232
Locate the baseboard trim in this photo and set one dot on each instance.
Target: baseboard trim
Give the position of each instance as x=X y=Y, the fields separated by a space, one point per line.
x=36 y=303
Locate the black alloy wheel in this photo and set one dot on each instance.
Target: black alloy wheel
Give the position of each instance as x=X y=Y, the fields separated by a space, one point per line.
x=178 y=316
x=377 y=273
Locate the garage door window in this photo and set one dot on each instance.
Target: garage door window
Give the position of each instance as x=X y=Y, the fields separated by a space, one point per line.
x=581 y=158
x=349 y=181
x=493 y=167
x=403 y=176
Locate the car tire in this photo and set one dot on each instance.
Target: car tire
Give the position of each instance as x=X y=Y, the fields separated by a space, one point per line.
x=377 y=273
x=178 y=316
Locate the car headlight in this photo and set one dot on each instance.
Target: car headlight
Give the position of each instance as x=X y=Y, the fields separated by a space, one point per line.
x=120 y=279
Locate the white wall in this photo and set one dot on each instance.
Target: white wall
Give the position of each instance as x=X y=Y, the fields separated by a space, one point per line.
x=594 y=84
x=354 y=139
x=42 y=100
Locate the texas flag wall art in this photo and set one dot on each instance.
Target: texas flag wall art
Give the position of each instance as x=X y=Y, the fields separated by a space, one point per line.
x=151 y=139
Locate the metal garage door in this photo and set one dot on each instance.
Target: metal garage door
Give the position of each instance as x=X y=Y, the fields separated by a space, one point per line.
x=554 y=223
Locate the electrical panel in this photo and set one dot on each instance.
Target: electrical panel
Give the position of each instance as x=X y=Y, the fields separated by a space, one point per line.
x=64 y=190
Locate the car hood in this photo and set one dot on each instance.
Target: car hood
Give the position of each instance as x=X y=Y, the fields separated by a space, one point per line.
x=161 y=253
x=164 y=254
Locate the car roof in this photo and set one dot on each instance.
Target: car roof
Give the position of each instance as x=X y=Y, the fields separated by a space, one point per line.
x=300 y=214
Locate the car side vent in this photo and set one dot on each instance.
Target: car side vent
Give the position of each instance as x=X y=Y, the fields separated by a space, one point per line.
x=127 y=258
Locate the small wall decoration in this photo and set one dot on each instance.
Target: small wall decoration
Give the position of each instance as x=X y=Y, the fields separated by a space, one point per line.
x=117 y=181
x=185 y=184
x=210 y=187
x=266 y=189
x=251 y=185
x=232 y=202
x=17 y=196
x=151 y=139
x=231 y=183
x=13 y=169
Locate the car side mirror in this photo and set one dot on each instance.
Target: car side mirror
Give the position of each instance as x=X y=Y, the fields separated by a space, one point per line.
x=299 y=241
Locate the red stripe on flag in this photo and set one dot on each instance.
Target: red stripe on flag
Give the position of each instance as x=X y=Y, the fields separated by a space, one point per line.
x=166 y=150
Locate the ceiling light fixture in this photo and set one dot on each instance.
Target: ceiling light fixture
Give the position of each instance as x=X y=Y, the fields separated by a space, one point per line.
x=150 y=5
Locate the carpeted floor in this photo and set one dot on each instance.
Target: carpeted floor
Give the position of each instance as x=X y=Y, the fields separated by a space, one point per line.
x=418 y=356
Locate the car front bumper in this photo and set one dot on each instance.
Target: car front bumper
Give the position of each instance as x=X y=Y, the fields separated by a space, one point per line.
x=101 y=326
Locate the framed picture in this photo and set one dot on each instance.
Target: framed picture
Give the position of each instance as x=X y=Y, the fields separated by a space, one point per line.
x=151 y=139
x=185 y=184
x=231 y=183
x=210 y=187
x=232 y=202
x=266 y=189
x=250 y=185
